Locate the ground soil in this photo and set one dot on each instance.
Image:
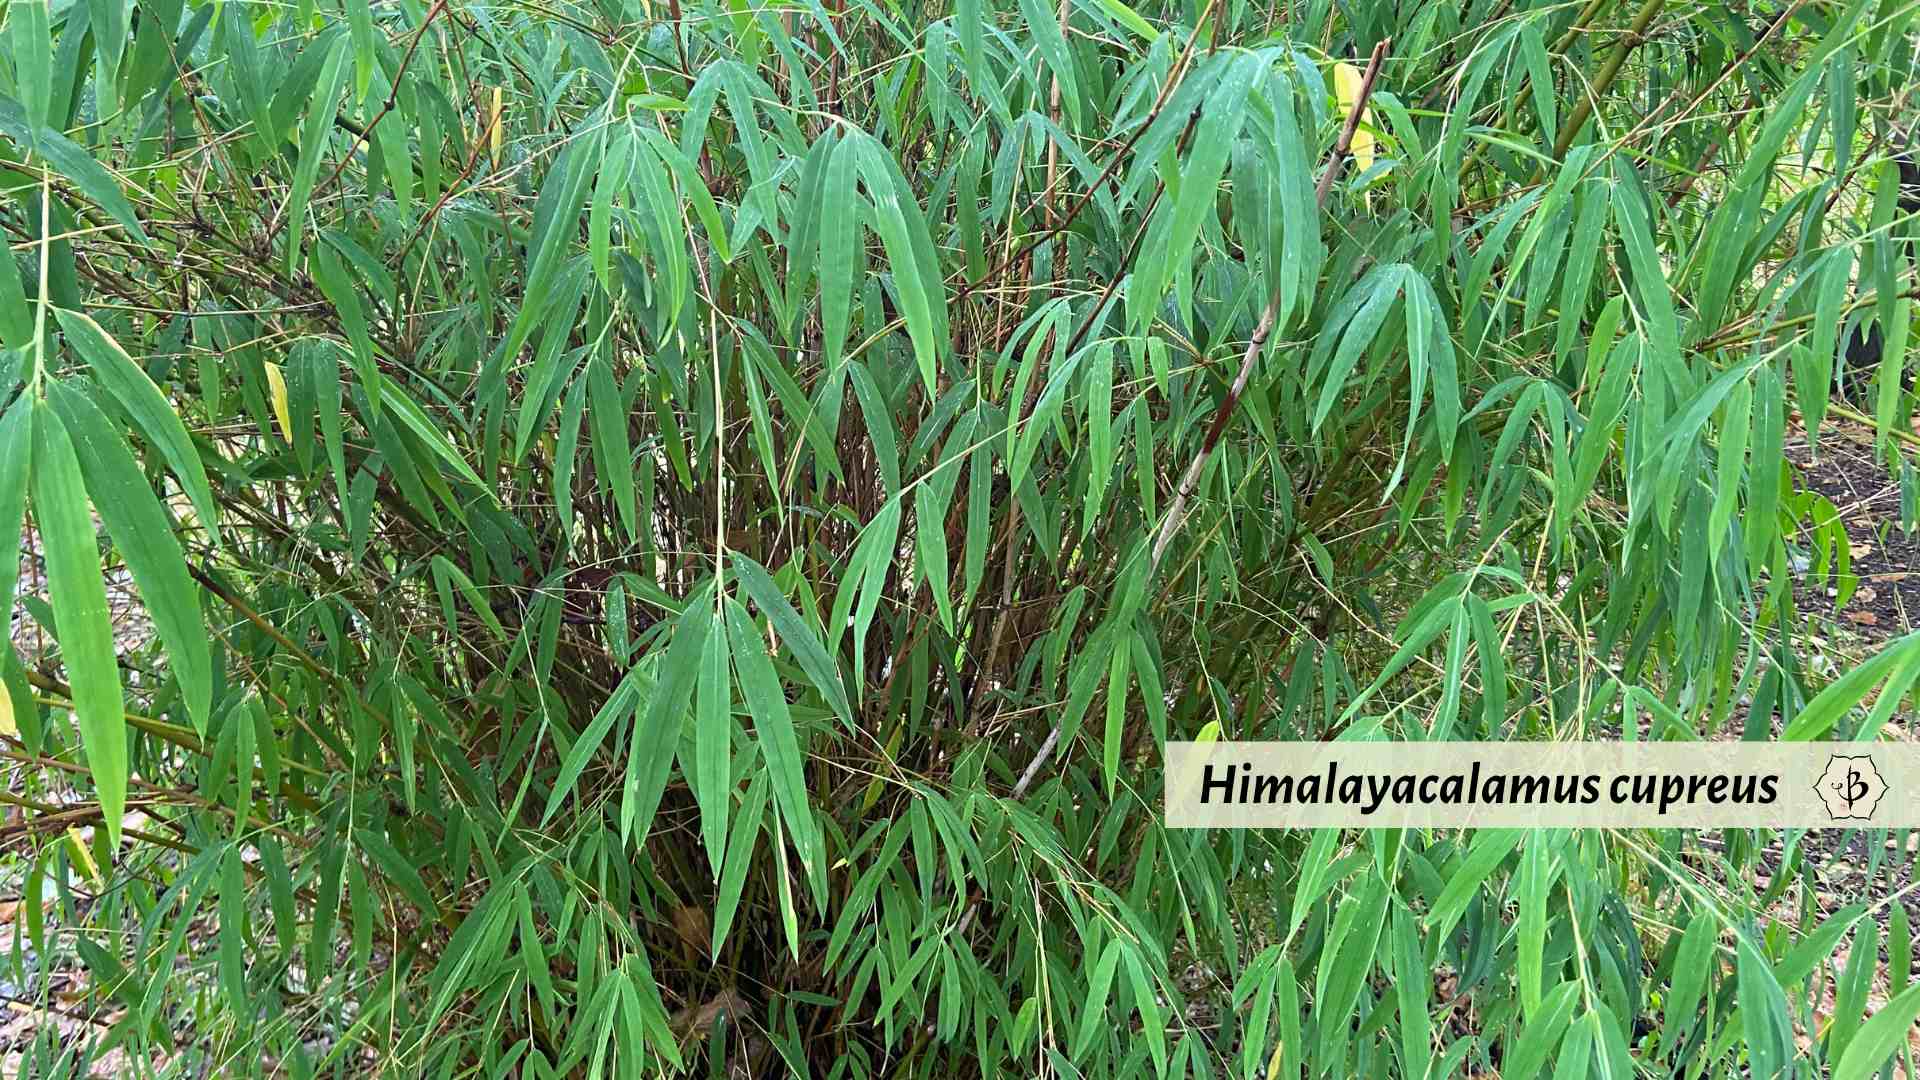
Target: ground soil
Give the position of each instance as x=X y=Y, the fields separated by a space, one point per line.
x=1843 y=467
x=1851 y=865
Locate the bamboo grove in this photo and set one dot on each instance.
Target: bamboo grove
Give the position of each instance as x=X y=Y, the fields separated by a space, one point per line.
x=668 y=536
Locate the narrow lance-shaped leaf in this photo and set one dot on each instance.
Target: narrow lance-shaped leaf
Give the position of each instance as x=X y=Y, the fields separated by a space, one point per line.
x=16 y=463
x=143 y=532
x=779 y=743
x=72 y=161
x=314 y=132
x=909 y=256
x=794 y=632
x=1884 y=1033
x=662 y=717
x=143 y=401
x=713 y=726
x=31 y=41
x=80 y=606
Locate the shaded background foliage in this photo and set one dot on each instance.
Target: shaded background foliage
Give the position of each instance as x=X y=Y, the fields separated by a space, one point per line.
x=673 y=534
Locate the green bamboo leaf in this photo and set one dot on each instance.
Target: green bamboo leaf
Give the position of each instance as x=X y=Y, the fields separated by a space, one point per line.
x=556 y=223
x=1119 y=671
x=1542 y=1033
x=1611 y=1058
x=79 y=596
x=1813 y=366
x=445 y=572
x=1364 y=310
x=1099 y=406
x=1099 y=984
x=315 y=384
x=360 y=29
x=71 y=161
x=143 y=532
x=1314 y=867
x=778 y=739
x=1459 y=636
x=396 y=868
x=1047 y=408
x=1050 y=37
x=143 y=401
x=733 y=876
x=1347 y=959
x=1850 y=995
x=1593 y=209
x=794 y=633
x=233 y=924
x=1897 y=664
x=858 y=597
x=903 y=233
x=1488 y=850
x=612 y=450
x=804 y=231
x=1692 y=966
x=1533 y=881
x=881 y=430
x=1762 y=519
x=713 y=726
x=415 y=420
x=1493 y=665
x=30 y=39
x=618 y=706
x=16 y=319
x=653 y=183
x=249 y=80
x=340 y=289
x=1884 y=1033
x=1133 y=21
x=314 y=131
x=468 y=946
x=16 y=464
x=1735 y=425
x=553 y=365
x=1763 y=1008
x=1221 y=118
x=1413 y=979
x=1899 y=941
x=659 y=725
x=1890 y=380
x=1815 y=948
x=842 y=258
x=614 y=177
x=691 y=188
x=930 y=542
x=1649 y=276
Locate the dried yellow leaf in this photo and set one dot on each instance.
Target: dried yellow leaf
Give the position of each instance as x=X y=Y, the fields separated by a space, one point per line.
x=493 y=126
x=1347 y=81
x=83 y=857
x=277 y=386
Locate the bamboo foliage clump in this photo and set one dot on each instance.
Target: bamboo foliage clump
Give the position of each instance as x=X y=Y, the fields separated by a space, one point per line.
x=673 y=536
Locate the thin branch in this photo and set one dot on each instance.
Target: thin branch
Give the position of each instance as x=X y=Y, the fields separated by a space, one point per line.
x=1577 y=119
x=1174 y=78
x=365 y=134
x=1176 y=513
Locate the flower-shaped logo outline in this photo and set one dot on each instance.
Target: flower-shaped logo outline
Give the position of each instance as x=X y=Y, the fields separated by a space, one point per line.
x=1850 y=787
